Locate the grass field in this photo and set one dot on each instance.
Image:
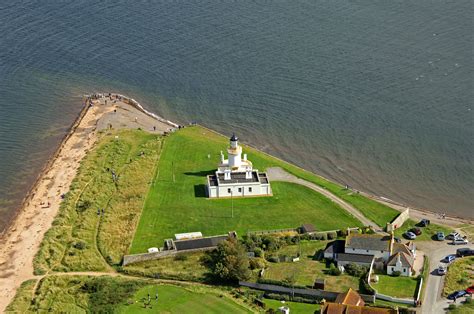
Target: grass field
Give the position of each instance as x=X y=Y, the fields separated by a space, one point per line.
x=308 y=269
x=80 y=239
x=173 y=299
x=467 y=308
x=426 y=232
x=295 y=307
x=177 y=201
x=401 y=287
x=460 y=275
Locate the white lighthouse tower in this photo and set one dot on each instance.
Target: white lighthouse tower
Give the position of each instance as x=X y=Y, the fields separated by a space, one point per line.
x=235 y=153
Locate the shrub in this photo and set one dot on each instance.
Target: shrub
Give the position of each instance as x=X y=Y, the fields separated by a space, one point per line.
x=332 y=235
x=273 y=259
x=258 y=252
x=396 y=274
x=80 y=245
x=180 y=257
x=355 y=270
x=257 y=263
x=334 y=271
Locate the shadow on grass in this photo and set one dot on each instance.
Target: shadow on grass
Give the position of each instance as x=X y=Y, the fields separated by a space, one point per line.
x=200 y=173
x=200 y=190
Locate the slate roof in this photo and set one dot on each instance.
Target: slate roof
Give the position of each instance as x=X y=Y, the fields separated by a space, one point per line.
x=400 y=247
x=238 y=177
x=350 y=297
x=376 y=242
x=354 y=258
x=200 y=243
x=406 y=259
x=335 y=247
x=305 y=228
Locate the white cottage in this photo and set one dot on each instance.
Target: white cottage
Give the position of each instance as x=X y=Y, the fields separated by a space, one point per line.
x=235 y=176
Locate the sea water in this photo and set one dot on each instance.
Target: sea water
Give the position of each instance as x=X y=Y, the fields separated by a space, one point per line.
x=373 y=94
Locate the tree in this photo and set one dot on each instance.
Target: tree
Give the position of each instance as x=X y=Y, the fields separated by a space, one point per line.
x=229 y=262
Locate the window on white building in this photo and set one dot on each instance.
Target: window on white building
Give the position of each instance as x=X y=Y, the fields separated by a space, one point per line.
x=250 y=189
x=228 y=190
x=240 y=190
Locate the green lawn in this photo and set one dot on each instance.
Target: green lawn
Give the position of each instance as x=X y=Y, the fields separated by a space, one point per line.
x=466 y=308
x=460 y=275
x=401 y=287
x=173 y=299
x=177 y=202
x=426 y=232
x=308 y=269
x=295 y=307
x=22 y=300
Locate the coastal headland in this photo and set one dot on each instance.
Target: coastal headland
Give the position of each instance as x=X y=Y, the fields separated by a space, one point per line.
x=20 y=242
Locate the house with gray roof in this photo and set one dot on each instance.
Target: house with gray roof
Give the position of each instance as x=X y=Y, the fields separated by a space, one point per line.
x=379 y=249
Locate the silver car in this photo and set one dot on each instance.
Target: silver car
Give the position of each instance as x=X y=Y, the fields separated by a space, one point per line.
x=458 y=241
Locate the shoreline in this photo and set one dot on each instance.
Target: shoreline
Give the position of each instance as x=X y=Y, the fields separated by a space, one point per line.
x=22 y=237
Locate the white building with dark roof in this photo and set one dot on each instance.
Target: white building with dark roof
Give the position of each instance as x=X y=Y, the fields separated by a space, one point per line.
x=235 y=176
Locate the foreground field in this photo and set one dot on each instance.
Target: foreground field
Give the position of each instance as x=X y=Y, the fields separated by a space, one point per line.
x=98 y=216
x=177 y=200
x=173 y=299
x=83 y=294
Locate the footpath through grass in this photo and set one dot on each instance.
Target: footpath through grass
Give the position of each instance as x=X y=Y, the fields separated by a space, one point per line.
x=177 y=201
x=98 y=216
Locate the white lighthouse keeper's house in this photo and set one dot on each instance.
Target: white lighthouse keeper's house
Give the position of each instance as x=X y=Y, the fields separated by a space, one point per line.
x=235 y=176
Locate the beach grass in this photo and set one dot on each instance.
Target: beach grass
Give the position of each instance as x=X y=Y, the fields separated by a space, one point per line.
x=98 y=216
x=305 y=271
x=460 y=275
x=177 y=201
x=400 y=287
x=22 y=300
x=427 y=233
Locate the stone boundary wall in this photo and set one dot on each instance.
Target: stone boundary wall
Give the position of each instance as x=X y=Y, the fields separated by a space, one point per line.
x=143 y=257
x=137 y=258
x=262 y=232
x=398 y=221
x=328 y=295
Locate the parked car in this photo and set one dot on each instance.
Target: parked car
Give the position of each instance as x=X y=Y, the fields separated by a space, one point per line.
x=470 y=290
x=424 y=223
x=416 y=231
x=410 y=235
x=453 y=235
x=398 y=240
x=457 y=294
x=442 y=270
x=450 y=258
x=459 y=241
x=440 y=236
x=464 y=252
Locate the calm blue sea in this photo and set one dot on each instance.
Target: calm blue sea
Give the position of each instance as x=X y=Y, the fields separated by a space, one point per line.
x=375 y=94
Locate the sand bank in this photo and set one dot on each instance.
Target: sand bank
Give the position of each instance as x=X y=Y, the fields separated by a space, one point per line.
x=20 y=242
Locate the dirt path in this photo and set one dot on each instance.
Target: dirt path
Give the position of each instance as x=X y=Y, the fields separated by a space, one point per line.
x=21 y=241
x=278 y=174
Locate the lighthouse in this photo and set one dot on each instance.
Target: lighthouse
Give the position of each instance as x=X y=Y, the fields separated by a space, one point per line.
x=235 y=176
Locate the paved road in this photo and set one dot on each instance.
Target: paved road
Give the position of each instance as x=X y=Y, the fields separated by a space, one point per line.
x=278 y=174
x=433 y=303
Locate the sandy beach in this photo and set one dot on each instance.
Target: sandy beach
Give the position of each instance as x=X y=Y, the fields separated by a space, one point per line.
x=20 y=242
